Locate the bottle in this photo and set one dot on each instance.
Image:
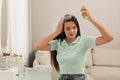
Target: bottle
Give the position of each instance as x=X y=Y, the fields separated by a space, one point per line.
x=82 y=11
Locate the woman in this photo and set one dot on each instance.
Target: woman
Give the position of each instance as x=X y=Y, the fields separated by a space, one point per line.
x=69 y=47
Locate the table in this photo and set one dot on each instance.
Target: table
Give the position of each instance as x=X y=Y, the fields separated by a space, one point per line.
x=8 y=73
x=25 y=73
x=40 y=73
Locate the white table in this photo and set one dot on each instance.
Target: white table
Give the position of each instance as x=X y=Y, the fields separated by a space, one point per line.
x=41 y=73
x=8 y=73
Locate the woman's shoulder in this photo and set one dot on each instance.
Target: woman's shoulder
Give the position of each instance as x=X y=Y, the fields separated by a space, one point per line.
x=56 y=40
x=87 y=36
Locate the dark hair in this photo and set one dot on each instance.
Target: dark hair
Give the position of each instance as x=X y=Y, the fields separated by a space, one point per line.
x=67 y=18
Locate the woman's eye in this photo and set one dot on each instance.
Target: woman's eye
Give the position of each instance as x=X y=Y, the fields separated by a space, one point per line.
x=67 y=28
x=74 y=27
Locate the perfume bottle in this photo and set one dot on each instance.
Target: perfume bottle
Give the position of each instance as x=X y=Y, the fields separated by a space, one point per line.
x=82 y=12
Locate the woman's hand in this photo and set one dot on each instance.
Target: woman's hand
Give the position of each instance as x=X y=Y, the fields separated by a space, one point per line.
x=60 y=26
x=85 y=13
x=105 y=36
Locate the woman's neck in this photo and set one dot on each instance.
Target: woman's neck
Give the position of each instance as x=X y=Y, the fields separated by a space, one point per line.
x=70 y=40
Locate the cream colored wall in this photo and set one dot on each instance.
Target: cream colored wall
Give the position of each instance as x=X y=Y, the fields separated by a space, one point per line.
x=46 y=13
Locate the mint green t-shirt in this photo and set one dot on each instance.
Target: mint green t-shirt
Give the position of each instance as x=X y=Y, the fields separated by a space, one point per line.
x=71 y=57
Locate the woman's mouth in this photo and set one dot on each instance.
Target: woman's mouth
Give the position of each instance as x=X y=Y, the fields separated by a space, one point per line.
x=71 y=34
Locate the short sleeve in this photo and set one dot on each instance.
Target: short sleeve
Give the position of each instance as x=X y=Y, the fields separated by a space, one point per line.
x=90 y=42
x=53 y=45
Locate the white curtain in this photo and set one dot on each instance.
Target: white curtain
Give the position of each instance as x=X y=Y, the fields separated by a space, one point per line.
x=14 y=30
x=0 y=25
x=4 y=28
x=18 y=24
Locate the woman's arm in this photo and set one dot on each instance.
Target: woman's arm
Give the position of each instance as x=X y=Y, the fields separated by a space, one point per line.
x=105 y=35
x=44 y=43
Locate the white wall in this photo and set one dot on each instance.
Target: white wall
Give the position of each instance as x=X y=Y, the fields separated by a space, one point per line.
x=46 y=13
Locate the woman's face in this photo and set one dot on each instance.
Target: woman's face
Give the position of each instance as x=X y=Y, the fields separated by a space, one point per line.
x=70 y=30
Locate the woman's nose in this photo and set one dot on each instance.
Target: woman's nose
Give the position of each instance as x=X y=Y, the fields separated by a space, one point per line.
x=71 y=31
